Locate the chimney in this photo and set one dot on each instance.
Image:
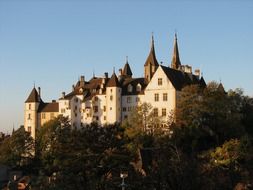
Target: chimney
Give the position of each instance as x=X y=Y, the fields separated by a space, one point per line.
x=106 y=75
x=39 y=91
x=120 y=72
x=197 y=72
x=73 y=87
x=53 y=101
x=82 y=78
x=82 y=82
x=63 y=94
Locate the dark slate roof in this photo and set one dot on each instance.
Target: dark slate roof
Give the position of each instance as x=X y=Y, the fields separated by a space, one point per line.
x=202 y=82
x=180 y=79
x=134 y=82
x=49 y=107
x=89 y=89
x=127 y=70
x=151 y=59
x=33 y=97
x=113 y=82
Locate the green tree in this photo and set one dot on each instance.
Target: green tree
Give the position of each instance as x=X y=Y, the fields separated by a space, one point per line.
x=17 y=151
x=90 y=157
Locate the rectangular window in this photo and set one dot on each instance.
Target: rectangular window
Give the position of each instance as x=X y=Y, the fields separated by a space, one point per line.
x=30 y=106
x=164 y=112
x=29 y=116
x=96 y=98
x=62 y=110
x=51 y=115
x=160 y=81
x=75 y=107
x=129 y=99
x=124 y=109
x=104 y=117
x=104 y=108
x=111 y=97
x=125 y=117
x=95 y=109
x=165 y=96
x=155 y=111
x=29 y=129
x=137 y=99
x=43 y=116
x=156 y=97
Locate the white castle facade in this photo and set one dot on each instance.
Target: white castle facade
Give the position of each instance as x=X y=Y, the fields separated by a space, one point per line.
x=107 y=100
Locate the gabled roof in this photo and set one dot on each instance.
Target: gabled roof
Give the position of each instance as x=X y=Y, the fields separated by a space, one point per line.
x=151 y=59
x=49 y=107
x=33 y=97
x=180 y=79
x=113 y=82
x=175 y=63
x=127 y=70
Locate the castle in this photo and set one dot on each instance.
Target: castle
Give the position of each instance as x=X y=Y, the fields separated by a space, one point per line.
x=111 y=99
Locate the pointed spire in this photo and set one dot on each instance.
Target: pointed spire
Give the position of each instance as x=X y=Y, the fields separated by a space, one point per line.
x=152 y=41
x=175 y=63
x=127 y=70
x=151 y=59
x=34 y=96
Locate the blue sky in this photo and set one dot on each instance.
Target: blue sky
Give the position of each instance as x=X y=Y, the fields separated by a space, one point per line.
x=52 y=43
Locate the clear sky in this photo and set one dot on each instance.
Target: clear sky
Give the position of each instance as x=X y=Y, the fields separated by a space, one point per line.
x=53 y=42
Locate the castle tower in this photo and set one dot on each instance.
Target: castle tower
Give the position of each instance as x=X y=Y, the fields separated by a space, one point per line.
x=151 y=63
x=175 y=63
x=31 y=111
x=113 y=100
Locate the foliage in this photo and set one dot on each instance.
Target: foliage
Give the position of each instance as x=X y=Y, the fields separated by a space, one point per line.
x=91 y=157
x=211 y=147
x=17 y=151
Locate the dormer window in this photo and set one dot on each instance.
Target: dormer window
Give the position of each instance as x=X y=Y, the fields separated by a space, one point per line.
x=130 y=88
x=138 y=88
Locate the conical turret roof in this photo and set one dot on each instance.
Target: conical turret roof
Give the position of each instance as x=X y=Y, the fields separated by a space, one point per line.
x=127 y=70
x=33 y=97
x=113 y=81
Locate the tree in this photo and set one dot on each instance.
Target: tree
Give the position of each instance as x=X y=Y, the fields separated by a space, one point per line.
x=227 y=165
x=207 y=117
x=17 y=151
x=90 y=157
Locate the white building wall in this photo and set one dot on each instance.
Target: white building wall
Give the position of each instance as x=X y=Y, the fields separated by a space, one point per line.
x=165 y=88
x=129 y=103
x=113 y=104
x=31 y=117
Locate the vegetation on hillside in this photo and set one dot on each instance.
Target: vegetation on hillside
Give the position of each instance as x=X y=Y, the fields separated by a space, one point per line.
x=209 y=146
